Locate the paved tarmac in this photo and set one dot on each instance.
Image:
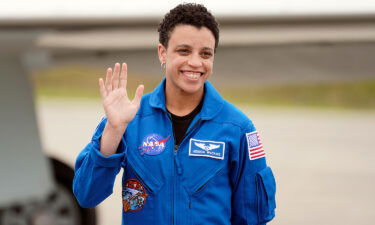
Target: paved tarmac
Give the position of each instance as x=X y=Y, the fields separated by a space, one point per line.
x=323 y=160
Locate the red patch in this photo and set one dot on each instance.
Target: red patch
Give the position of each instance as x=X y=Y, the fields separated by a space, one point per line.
x=134 y=195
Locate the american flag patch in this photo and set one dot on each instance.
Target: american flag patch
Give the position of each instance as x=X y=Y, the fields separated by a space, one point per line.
x=255 y=146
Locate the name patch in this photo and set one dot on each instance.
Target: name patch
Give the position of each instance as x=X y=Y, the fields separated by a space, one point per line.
x=211 y=149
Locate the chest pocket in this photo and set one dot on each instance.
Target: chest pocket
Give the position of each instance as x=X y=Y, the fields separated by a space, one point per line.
x=208 y=185
x=205 y=160
x=139 y=193
x=135 y=158
x=139 y=170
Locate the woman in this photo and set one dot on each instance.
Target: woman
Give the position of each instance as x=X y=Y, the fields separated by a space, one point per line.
x=189 y=157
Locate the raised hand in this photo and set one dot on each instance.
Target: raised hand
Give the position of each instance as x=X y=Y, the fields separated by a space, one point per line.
x=117 y=106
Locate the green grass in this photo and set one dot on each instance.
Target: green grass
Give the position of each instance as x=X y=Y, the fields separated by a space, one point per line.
x=82 y=82
x=353 y=95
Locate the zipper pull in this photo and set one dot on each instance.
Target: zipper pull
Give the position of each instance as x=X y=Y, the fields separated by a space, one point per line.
x=178 y=165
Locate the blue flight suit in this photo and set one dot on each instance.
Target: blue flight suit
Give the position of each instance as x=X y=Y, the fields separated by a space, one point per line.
x=217 y=175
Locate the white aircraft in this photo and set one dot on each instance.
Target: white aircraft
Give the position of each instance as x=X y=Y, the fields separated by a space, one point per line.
x=36 y=186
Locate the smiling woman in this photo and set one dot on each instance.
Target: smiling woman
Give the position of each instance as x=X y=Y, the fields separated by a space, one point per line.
x=183 y=148
x=189 y=61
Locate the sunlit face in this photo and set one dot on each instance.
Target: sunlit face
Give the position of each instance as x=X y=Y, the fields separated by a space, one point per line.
x=189 y=59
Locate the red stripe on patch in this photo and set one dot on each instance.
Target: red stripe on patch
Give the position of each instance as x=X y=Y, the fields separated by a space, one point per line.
x=256 y=152
x=255 y=149
x=258 y=156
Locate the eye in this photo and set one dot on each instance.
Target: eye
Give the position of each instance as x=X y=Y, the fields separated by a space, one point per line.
x=183 y=51
x=206 y=54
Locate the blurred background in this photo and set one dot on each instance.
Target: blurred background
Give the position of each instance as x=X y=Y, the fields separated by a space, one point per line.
x=303 y=71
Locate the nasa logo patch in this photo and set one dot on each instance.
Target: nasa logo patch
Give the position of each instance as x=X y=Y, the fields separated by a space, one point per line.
x=211 y=149
x=153 y=144
x=134 y=195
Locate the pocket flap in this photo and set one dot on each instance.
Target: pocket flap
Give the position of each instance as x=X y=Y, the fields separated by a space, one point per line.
x=145 y=174
x=200 y=181
x=268 y=183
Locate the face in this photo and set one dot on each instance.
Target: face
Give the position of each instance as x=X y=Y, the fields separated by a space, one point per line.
x=189 y=59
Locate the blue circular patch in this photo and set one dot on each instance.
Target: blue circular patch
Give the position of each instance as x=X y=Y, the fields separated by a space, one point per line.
x=153 y=144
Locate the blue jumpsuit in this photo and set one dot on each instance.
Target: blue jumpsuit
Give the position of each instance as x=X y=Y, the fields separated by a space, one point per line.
x=217 y=175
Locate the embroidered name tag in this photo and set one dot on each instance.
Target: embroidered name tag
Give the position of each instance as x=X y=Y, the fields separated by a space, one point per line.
x=211 y=149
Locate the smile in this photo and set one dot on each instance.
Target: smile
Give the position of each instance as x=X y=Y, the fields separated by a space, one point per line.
x=192 y=74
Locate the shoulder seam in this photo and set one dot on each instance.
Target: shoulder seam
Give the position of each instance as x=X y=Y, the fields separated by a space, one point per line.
x=231 y=123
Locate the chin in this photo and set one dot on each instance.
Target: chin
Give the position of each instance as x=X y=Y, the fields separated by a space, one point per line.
x=192 y=89
x=185 y=86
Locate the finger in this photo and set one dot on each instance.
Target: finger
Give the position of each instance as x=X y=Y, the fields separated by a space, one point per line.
x=108 y=80
x=115 y=78
x=138 y=95
x=124 y=75
x=102 y=89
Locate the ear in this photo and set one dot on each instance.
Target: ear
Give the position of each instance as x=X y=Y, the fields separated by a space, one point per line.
x=162 y=53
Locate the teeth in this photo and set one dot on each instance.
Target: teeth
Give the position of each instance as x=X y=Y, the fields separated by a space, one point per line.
x=193 y=76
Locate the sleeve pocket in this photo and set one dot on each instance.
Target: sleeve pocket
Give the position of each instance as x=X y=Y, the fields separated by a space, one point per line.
x=266 y=190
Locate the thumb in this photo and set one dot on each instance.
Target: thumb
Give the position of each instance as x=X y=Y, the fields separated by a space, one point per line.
x=138 y=95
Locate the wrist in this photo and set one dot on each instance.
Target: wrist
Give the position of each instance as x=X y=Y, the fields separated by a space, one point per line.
x=111 y=138
x=115 y=129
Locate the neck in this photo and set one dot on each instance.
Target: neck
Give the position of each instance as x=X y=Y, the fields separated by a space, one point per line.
x=180 y=103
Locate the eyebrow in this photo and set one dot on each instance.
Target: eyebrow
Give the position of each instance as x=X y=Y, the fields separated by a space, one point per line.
x=207 y=48
x=188 y=46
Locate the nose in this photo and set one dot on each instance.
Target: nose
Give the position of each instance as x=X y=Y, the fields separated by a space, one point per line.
x=195 y=60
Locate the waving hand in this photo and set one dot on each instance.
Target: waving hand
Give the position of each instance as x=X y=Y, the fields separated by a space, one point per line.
x=119 y=109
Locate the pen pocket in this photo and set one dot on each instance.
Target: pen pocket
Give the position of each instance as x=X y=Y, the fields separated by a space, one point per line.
x=266 y=190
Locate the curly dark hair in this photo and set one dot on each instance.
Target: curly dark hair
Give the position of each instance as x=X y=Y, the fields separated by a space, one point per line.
x=188 y=14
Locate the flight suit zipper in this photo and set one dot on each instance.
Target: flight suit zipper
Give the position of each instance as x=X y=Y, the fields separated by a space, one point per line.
x=173 y=163
x=176 y=161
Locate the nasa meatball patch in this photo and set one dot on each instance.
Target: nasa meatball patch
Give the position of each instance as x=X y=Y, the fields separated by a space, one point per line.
x=153 y=144
x=255 y=146
x=211 y=149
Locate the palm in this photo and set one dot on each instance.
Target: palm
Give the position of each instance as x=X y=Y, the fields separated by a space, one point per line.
x=117 y=106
